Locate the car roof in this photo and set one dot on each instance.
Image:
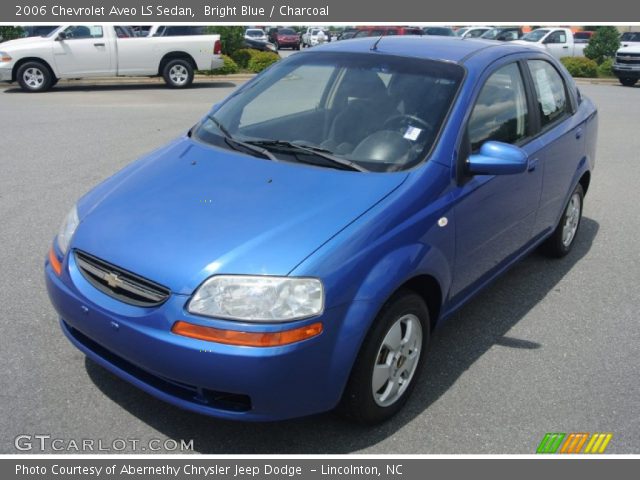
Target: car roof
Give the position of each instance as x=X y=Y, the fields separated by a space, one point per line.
x=452 y=49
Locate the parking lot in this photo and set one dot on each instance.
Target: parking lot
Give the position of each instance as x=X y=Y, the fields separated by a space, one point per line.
x=553 y=346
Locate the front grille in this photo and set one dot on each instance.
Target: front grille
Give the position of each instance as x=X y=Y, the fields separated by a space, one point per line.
x=119 y=283
x=201 y=396
x=628 y=58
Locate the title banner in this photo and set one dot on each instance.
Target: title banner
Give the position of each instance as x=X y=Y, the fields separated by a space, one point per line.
x=317 y=11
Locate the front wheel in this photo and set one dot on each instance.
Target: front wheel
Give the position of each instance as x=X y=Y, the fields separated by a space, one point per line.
x=560 y=242
x=628 y=82
x=34 y=77
x=390 y=359
x=178 y=73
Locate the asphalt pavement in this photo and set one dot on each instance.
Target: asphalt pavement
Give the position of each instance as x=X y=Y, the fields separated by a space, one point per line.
x=553 y=346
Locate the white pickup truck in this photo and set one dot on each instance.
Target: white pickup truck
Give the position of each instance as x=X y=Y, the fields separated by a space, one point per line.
x=81 y=51
x=559 y=42
x=627 y=65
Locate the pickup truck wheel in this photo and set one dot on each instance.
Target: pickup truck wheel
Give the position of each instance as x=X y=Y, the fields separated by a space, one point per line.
x=390 y=359
x=178 y=73
x=34 y=77
x=560 y=242
x=628 y=82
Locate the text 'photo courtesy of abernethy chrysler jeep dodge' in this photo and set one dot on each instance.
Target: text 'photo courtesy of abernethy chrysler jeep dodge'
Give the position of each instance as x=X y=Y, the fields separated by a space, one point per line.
x=355 y=195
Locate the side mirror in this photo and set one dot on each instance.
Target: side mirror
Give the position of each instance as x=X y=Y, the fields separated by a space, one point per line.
x=61 y=36
x=497 y=158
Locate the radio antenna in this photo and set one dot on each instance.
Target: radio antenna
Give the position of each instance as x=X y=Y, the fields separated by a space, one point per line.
x=374 y=47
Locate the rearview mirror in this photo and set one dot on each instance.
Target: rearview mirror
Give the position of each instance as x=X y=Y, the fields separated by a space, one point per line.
x=497 y=158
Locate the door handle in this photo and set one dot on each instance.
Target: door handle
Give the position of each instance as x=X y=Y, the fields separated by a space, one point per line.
x=99 y=44
x=533 y=163
x=578 y=133
x=566 y=46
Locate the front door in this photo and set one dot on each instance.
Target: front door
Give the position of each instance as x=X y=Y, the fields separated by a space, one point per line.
x=83 y=51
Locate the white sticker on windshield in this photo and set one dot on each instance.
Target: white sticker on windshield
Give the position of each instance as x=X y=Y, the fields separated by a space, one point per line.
x=412 y=133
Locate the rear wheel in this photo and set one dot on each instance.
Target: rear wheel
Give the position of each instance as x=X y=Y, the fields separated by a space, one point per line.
x=178 y=73
x=390 y=359
x=560 y=242
x=34 y=77
x=628 y=82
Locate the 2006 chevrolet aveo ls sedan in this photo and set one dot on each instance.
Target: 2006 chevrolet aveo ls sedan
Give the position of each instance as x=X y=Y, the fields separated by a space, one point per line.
x=293 y=251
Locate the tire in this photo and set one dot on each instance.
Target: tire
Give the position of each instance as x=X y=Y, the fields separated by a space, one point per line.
x=178 y=73
x=563 y=237
x=34 y=77
x=628 y=82
x=404 y=317
x=277 y=46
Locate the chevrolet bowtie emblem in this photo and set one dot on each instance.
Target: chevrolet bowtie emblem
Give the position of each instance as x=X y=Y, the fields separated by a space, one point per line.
x=112 y=280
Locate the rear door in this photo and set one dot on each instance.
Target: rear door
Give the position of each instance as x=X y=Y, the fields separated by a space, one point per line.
x=561 y=141
x=84 y=52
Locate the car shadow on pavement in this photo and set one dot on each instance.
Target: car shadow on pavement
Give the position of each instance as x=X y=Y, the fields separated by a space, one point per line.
x=99 y=87
x=456 y=345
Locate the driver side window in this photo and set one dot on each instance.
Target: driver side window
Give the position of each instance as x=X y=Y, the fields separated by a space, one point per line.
x=500 y=112
x=76 y=32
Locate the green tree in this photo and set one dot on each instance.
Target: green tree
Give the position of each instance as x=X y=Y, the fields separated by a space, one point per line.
x=603 y=44
x=231 y=38
x=10 y=32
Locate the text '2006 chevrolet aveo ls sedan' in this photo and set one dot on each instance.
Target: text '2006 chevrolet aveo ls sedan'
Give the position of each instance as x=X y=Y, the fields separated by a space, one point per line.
x=293 y=251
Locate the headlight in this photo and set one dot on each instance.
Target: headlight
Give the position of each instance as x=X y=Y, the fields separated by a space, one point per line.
x=5 y=57
x=258 y=298
x=67 y=229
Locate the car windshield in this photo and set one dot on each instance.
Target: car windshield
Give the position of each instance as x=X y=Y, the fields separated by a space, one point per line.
x=461 y=31
x=630 y=37
x=492 y=34
x=286 y=31
x=535 y=36
x=378 y=112
x=254 y=33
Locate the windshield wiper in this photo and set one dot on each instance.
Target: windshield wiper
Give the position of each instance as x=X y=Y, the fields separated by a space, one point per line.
x=235 y=143
x=309 y=149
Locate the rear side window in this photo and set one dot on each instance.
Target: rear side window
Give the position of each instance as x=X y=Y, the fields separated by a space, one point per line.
x=500 y=113
x=551 y=95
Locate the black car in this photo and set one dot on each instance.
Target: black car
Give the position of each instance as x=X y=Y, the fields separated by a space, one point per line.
x=438 y=31
x=258 y=45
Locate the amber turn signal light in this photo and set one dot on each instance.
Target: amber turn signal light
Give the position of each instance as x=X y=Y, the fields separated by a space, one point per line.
x=55 y=263
x=246 y=339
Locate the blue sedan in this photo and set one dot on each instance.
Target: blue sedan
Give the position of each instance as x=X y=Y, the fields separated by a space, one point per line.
x=293 y=251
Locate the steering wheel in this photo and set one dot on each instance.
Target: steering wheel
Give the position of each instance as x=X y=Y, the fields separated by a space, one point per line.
x=406 y=118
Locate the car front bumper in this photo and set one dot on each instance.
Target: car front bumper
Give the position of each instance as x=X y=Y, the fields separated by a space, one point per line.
x=5 y=74
x=232 y=382
x=626 y=71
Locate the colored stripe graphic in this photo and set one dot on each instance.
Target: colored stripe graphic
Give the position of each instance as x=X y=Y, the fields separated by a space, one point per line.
x=550 y=443
x=573 y=443
x=598 y=443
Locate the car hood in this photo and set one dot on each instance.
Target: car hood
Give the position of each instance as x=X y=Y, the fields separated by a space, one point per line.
x=23 y=42
x=190 y=211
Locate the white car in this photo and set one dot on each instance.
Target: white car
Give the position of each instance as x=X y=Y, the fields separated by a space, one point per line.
x=255 y=34
x=559 y=42
x=472 y=32
x=314 y=36
x=84 y=51
x=627 y=65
